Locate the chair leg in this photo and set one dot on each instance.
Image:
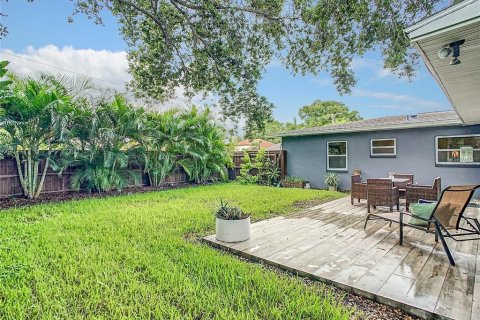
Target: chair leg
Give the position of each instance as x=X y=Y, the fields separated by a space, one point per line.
x=351 y=200
x=366 y=221
x=444 y=244
x=401 y=229
x=358 y=200
x=391 y=208
x=398 y=206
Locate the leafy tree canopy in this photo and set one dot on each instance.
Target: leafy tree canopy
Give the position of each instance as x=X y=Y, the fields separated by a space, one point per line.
x=321 y=113
x=224 y=46
x=317 y=114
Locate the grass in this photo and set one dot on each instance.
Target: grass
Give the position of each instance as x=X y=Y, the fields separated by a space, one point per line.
x=126 y=257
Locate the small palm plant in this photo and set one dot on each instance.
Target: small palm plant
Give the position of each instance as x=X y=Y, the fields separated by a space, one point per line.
x=332 y=180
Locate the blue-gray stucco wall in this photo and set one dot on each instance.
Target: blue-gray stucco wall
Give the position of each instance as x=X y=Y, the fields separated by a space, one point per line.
x=306 y=156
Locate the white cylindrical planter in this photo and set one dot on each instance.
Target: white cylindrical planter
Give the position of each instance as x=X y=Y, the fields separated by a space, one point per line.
x=233 y=230
x=332 y=188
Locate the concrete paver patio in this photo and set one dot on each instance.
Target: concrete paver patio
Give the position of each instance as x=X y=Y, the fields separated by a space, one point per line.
x=328 y=243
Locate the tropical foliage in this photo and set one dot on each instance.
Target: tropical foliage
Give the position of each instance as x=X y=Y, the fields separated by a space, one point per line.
x=261 y=170
x=48 y=122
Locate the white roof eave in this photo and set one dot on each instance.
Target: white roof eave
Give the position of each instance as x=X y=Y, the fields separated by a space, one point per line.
x=456 y=16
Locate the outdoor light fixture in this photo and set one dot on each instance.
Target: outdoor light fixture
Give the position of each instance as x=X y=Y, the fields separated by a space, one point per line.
x=451 y=49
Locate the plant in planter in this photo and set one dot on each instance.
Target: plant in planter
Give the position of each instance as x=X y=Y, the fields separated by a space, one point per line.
x=232 y=224
x=357 y=172
x=293 y=182
x=332 y=180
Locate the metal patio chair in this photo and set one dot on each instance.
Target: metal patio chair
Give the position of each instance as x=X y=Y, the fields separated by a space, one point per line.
x=446 y=221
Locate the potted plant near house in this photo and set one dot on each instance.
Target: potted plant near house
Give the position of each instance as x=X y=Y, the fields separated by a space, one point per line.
x=293 y=182
x=332 y=180
x=232 y=224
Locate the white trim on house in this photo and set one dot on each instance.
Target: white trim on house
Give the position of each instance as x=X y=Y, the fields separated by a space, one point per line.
x=372 y=147
x=437 y=162
x=337 y=155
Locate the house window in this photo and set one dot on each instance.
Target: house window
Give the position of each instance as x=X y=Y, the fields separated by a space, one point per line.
x=383 y=147
x=458 y=150
x=337 y=155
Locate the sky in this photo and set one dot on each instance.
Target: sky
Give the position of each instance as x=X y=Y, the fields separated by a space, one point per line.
x=40 y=34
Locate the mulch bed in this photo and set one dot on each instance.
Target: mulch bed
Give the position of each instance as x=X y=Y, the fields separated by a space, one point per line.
x=15 y=202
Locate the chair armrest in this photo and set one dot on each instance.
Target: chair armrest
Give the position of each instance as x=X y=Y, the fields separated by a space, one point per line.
x=426 y=201
x=414 y=186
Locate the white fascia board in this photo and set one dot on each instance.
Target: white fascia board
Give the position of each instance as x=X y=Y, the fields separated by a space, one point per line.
x=464 y=13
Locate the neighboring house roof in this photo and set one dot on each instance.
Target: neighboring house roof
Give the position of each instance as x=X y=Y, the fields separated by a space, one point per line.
x=459 y=82
x=255 y=142
x=427 y=119
x=275 y=147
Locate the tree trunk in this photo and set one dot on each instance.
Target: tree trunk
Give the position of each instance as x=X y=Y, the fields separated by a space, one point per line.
x=20 y=173
x=44 y=174
x=29 y=175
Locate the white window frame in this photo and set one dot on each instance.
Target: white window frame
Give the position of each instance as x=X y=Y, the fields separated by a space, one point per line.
x=394 y=154
x=454 y=163
x=337 y=155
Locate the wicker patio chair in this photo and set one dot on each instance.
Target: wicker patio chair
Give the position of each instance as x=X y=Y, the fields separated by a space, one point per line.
x=423 y=192
x=402 y=186
x=358 y=188
x=446 y=221
x=381 y=192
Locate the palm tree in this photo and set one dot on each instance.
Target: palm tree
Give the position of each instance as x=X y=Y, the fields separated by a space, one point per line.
x=162 y=142
x=36 y=116
x=103 y=146
x=204 y=152
x=4 y=86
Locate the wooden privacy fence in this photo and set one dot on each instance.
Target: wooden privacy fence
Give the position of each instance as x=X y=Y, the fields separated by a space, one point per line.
x=10 y=182
x=279 y=157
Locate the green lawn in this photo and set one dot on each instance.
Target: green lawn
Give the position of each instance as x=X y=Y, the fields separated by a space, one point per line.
x=127 y=257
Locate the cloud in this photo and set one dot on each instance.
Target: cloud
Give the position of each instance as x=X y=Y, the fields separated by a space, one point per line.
x=409 y=102
x=107 y=68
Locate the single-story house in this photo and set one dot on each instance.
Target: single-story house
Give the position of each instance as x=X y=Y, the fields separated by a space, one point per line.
x=428 y=145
